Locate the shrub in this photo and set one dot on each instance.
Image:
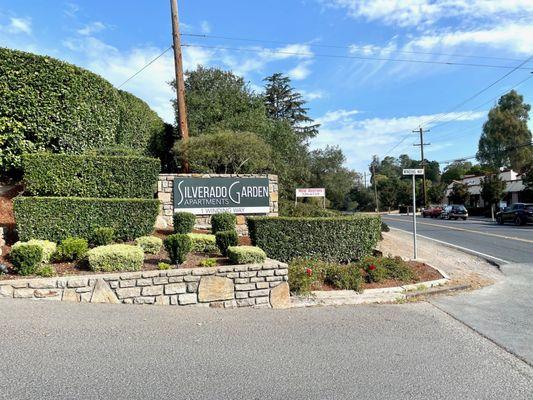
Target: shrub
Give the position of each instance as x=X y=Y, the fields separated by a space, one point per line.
x=208 y=262
x=149 y=244
x=225 y=239
x=102 y=236
x=183 y=222
x=246 y=255
x=162 y=266
x=57 y=218
x=339 y=239
x=63 y=108
x=115 y=257
x=203 y=242
x=72 y=249
x=381 y=268
x=384 y=227
x=303 y=275
x=223 y=222
x=289 y=209
x=26 y=258
x=64 y=175
x=178 y=246
x=344 y=277
x=48 y=248
x=46 y=271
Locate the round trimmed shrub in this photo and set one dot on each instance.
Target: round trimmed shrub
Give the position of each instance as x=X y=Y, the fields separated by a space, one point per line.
x=203 y=242
x=178 y=246
x=149 y=244
x=71 y=249
x=116 y=257
x=226 y=239
x=26 y=258
x=223 y=222
x=48 y=247
x=183 y=222
x=246 y=255
x=102 y=236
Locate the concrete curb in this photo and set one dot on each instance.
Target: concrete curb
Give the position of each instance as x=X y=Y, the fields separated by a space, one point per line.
x=372 y=296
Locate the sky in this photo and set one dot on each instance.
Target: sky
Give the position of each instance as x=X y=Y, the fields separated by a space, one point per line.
x=372 y=71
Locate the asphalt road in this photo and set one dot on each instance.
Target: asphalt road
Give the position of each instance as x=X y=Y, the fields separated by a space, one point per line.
x=504 y=242
x=409 y=351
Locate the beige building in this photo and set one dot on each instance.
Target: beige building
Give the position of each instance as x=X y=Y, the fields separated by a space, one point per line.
x=514 y=191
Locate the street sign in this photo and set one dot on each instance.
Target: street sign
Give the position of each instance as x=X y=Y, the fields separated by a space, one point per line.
x=310 y=192
x=419 y=171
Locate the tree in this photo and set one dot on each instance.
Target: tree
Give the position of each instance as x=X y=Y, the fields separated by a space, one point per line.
x=226 y=152
x=220 y=100
x=455 y=171
x=436 y=192
x=282 y=102
x=492 y=187
x=459 y=193
x=505 y=141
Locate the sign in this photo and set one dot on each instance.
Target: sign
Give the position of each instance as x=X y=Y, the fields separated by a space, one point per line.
x=206 y=196
x=311 y=192
x=413 y=171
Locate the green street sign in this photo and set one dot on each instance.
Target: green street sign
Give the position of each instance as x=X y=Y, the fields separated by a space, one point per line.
x=206 y=196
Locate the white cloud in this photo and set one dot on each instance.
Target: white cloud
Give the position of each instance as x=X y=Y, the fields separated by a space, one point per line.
x=91 y=28
x=301 y=71
x=18 y=25
x=205 y=27
x=360 y=138
x=415 y=12
x=311 y=95
x=512 y=37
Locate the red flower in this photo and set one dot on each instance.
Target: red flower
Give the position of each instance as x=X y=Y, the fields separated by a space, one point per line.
x=309 y=271
x=372 y=267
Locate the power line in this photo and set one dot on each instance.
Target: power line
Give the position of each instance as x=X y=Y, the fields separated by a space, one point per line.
x=144 y=67
x=474 y=156
x=332 y=46
x=519 y=66
x=353 y=57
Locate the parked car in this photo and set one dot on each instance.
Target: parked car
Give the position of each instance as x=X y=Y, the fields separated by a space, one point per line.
x=454 y=211
x=432 y=211
x=518 y=213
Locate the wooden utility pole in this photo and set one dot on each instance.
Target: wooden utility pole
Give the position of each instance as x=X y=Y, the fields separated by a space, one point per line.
x=423 y=161
x=375 y=183
x=183 y=128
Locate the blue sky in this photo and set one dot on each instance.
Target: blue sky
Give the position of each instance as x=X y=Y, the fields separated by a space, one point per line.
x=365 y=106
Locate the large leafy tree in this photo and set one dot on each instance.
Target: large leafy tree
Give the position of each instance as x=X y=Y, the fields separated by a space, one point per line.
x=459 y=193
x=282 y=102
x=492 y=187
x=506 y=139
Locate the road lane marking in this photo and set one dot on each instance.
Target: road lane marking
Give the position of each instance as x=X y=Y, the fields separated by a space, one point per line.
x=464 y=230
x=465 y=249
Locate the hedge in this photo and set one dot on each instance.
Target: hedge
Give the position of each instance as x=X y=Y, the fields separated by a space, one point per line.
x=340 y=239
x=56 y=218
x=47 y=174
x=116 y=257
x=48 y=104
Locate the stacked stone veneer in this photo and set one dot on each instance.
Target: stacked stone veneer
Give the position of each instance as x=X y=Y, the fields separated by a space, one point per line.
x=165 y=195
x=251 y=285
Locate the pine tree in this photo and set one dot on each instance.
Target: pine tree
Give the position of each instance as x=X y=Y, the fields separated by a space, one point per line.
x=282 y=102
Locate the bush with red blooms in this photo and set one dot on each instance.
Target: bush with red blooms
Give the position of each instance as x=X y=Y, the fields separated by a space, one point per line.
x=381 y=268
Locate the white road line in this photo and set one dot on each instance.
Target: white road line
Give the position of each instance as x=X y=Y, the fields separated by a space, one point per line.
x=465 y=249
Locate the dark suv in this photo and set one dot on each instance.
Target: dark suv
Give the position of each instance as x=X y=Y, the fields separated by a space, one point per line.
x=454 y=211
x=518 y=213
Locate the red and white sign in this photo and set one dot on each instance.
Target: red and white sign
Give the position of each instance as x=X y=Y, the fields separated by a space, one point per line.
x=311 y=192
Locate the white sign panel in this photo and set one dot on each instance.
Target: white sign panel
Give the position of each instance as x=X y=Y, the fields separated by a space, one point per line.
x=413 y=171
x=311 y=192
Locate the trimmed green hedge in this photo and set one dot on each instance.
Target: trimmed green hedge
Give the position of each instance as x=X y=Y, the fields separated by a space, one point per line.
x=56 y=218
x=48 y=104
x=47 y=174
x=341 y=239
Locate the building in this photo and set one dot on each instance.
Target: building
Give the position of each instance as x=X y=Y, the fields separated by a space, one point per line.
x=514 y=191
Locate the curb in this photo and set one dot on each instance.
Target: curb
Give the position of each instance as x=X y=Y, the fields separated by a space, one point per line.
x=375 y=296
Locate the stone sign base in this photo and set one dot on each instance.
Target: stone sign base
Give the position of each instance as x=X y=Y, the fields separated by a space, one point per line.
x=251 y=285
x=165 y=195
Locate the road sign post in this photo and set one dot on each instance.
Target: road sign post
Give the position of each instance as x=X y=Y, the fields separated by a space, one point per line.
x=414 y=173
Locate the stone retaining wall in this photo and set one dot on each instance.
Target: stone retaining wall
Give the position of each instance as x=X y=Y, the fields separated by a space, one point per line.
x=252 y=285
x=165 y=195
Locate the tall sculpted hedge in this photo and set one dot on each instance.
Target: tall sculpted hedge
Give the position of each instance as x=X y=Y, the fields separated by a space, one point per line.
x=47 y=104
